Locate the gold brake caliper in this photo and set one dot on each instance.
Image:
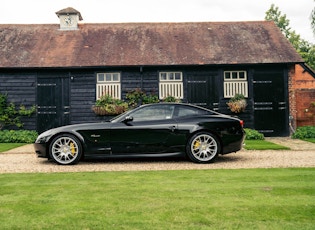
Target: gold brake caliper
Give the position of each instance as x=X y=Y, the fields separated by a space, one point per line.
x=196 y=144
x=72 y=148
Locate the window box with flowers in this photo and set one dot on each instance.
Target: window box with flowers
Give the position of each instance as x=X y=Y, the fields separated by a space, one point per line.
x=107 y=105
x=237 y=104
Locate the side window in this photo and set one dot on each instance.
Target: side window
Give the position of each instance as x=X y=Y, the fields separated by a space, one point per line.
x=108 y=84
x=184 y=111
x=152 y=113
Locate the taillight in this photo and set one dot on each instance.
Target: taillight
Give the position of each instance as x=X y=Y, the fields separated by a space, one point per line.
x=242 y=123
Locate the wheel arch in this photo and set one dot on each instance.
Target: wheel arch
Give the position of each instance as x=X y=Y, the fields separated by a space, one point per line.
x=75 y=134
x=215 y=134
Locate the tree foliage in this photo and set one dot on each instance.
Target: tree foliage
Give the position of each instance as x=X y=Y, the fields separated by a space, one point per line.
x=312 y=17
x=303 y=47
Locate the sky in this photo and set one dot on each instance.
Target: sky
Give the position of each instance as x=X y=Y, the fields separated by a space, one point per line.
x=118 y=11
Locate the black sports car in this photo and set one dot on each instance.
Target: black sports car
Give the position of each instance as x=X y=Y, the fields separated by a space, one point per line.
x=163 y=129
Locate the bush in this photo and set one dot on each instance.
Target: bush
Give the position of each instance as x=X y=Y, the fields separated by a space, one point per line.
x=252 y=134
x=171 y=99
x=139 y=97
x=10 y=115
x=18 y=136
x=107 y=105
x=304 y=132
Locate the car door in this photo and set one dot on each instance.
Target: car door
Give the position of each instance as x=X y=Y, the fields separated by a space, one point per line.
x=151 y=130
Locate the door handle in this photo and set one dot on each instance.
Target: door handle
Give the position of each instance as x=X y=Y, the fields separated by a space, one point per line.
x=172 y=128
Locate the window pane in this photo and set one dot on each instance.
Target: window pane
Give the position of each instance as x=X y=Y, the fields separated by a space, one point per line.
x=161 y=112
x=234 y=75
x=186 y=111
x=100 y=77
x=227 y=75
x=177 y=76
x=108 y=77
x=163 y=76
x=241 y=75
x=115 y=77
x=171 y=76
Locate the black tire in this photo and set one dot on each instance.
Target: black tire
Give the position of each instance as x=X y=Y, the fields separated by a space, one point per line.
x=203 y=147
x=65 y=149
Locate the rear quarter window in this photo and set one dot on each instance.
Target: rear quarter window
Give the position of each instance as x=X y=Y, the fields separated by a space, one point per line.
x=183 y=111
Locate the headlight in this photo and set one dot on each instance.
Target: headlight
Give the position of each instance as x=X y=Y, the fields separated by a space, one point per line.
x=43 y=137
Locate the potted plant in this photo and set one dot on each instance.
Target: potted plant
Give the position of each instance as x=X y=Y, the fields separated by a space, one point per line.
x=237 y=104
x=107 y=105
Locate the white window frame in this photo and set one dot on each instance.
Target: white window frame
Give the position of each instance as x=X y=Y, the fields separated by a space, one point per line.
x=235 y=82
x=108 y=83
x=171 y=84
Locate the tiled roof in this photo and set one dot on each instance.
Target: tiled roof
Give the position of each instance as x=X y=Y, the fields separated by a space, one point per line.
x=129 y=44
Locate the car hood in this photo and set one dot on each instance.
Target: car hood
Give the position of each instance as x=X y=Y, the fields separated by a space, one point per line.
x=83 y=126
x=76 y=127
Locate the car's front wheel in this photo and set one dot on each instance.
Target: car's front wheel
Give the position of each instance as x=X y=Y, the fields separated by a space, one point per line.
x=203 y=147
x=65 y=149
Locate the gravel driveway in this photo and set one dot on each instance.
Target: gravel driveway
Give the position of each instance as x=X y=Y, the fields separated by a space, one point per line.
x=302 y=154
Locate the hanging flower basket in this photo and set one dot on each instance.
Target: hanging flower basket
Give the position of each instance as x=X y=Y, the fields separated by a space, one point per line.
x=237 y=104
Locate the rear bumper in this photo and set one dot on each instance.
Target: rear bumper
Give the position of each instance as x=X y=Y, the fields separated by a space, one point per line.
x=235 y=145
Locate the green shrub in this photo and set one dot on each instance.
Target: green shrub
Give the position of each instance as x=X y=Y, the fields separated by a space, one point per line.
x=237 y=97
x=10 y=114
x=107 y=105
x=171 y=99
x=149 y=99
x=17 y=136
x=304 y=132
x=137 y=96
x=252 y=134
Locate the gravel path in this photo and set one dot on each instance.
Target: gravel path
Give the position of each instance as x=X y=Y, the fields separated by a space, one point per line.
x=24 y=160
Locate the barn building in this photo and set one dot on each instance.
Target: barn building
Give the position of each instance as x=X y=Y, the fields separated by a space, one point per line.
x=64 y=68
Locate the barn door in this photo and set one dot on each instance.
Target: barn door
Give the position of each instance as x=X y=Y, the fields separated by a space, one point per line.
x=201 y=91
x=270 y=104
x=53 y=107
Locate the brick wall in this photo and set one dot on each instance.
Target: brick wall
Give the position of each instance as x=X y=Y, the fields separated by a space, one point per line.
x=301 y=97
x=305 y=110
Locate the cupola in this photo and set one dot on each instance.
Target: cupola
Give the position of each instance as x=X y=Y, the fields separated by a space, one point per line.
x=69 y=18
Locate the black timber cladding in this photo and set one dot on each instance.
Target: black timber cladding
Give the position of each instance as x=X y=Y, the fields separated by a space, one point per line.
x=22 y=88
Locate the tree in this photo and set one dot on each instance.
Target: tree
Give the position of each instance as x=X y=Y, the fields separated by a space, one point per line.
x=273 y=14
x=303 y=47
x=313 y=21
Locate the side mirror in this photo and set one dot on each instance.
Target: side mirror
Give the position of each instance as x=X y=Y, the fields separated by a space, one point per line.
x=128 y=119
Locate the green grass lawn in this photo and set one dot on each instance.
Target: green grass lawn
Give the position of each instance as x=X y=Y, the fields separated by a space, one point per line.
x=8 y=146
x=190 y=199
x=249 y=144
x=262 y=145
x=312 y=140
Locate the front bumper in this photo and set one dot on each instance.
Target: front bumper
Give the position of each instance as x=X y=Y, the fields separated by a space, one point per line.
x=40 y=150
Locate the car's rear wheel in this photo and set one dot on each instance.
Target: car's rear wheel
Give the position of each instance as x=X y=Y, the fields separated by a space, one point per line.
x=203 y=147
x=65 y=149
